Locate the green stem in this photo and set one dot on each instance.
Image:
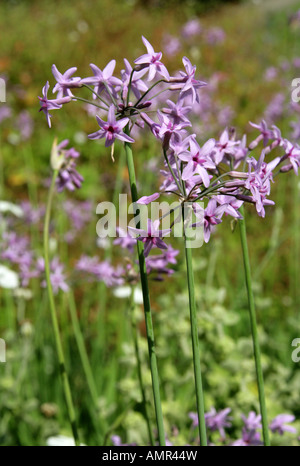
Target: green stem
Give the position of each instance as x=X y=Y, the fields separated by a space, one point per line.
x=84 y=359
x=195 y=344
x=135 y=335
x=256 y=348
x=82 y=350
x=58 y=343
x=147 y=306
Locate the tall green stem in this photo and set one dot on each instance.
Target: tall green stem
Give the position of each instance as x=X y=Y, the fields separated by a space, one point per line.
x=253 y=322
x=147 y=306
x=195 y=345
x=58 y=343
x=135 y=336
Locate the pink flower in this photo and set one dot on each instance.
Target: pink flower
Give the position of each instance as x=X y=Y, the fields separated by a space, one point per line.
x=151 y=237
x=111 y=129
x=152 y=61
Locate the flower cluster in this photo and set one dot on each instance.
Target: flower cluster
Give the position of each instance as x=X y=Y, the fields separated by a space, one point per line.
x=219 y=421
x=215 y=176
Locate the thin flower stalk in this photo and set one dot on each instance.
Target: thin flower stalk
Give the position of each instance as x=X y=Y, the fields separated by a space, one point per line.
x=254 y=331
x=147 y=306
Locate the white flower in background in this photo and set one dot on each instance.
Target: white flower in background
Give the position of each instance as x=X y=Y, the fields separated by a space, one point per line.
x=61 y=441
x=125 y=292
x=11 y=208
x=8 y=278
x=103 y=243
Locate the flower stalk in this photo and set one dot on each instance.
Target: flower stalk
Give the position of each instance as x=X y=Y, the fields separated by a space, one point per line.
x=195 y=344
x=147 y=306
x=254 y=331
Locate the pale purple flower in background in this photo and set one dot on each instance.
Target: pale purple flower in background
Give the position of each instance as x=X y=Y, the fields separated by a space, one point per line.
x=32 y=215
x=64 y=82
x=152 y=237
x=103 y=78
x=191 y=28
x=215 y=36
x=111 y=129
x=280 y=424
x=275 y=109
x=218 y=420
x=152 y=61
x=253 y=421
x=24 y=124
x=195 y=419
x=57 y=276
x=124 y=240
x=249 y=439
x=5 y=112
x=271 y=73
x=171 y=45
x=54 y=104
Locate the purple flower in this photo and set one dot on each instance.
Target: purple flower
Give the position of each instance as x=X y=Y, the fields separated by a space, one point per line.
x=151 y=237
x=265 y=136
x=194 y=418
x=5 y=112
x=145 y=200
x=225 y=146
x=152 y=61
x=253 y=421
x=187 y=84
x=68 y=177
x=191 y=28
x=125 y=240
x=137 y=85
x=103 y=78
x=54 y=104
x=293 y=154
x=57 y=276
x=249 y=439
x=218 y=421
x=210 y=217
x=25 y=125
x=111 y=129
x=171 y=45
x=198 y=160
x=177 y=111
x=215 y=36
x=258 y=181
x=64 y=82
x=279 y=424
x=169 y=128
